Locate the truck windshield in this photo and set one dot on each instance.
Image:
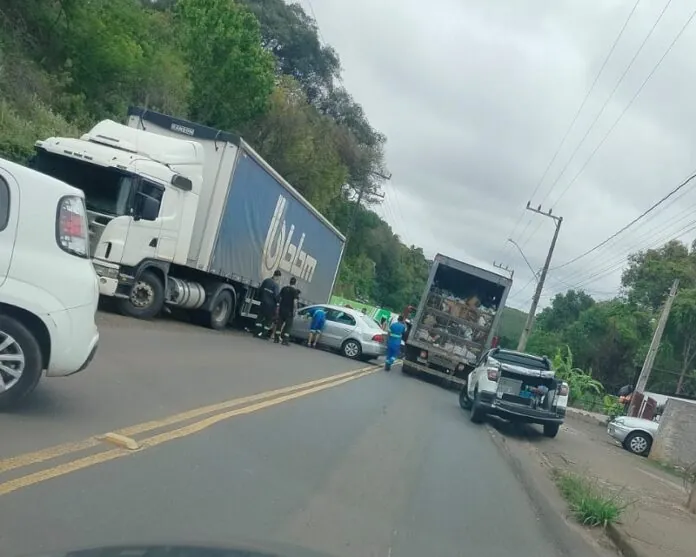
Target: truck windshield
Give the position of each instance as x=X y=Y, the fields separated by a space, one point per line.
x=521 y=360
x=106 y=190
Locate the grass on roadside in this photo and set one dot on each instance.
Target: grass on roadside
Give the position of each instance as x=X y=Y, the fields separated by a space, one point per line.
x=588 y=503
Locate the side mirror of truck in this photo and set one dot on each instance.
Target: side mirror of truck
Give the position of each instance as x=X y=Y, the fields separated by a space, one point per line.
x=149 y=208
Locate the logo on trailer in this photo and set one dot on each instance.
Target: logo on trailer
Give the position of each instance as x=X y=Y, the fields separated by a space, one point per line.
x=280 y=253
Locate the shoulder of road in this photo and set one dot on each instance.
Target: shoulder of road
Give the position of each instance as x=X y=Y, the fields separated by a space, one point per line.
x=654 y=520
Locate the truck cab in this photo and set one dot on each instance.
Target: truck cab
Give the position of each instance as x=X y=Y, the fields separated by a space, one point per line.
x=141 y=192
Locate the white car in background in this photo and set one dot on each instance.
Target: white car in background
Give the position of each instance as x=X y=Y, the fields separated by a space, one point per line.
x=352 y=333
x=635 y=434
x=48 y=288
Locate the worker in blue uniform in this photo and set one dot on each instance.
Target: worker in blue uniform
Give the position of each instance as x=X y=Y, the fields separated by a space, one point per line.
x=396 y=332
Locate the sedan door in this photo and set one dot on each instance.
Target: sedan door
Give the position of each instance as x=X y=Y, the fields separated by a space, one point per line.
x=301 y=323
x=339 y=326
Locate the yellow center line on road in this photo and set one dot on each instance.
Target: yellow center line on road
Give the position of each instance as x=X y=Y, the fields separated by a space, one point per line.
x=112 y=454
x=65 y=449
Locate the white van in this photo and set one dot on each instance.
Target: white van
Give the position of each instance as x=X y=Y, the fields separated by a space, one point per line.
x=48 y=287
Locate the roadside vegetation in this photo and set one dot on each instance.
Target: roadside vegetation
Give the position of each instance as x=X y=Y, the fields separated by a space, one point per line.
x=256 y=67
x=589 y=504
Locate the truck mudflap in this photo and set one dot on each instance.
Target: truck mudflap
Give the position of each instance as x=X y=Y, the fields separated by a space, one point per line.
x=413 y=367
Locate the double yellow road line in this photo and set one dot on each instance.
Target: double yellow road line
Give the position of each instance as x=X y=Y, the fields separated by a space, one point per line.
x=129 y=441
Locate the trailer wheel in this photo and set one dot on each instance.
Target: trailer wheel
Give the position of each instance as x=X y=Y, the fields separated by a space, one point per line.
x=221 y=310
x=146 y=297
x=20 y=358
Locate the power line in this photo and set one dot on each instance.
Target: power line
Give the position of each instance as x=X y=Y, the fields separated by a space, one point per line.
x=608 y=99
x=620 y=117
x=626 y=227
x=577 y=113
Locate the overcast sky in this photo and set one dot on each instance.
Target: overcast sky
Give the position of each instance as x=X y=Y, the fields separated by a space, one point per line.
x=475 y=97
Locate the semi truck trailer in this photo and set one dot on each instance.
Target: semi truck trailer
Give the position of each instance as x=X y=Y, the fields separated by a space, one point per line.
x=188 y=216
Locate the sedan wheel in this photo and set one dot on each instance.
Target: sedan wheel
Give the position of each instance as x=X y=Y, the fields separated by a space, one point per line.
x=351 y=349
x=638 y=443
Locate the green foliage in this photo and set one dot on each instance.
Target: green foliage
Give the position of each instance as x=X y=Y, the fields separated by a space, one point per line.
x=253 y=66
x=581 y=384
x=588 y=501
x=232 y=74
x=611 y=406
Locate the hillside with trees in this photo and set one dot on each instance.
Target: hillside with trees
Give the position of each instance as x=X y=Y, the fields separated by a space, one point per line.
x=252 y=66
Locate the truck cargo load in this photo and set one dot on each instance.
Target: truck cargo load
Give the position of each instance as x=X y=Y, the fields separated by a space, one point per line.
x=457 y=319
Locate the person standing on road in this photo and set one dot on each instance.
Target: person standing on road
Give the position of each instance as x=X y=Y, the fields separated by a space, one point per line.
x=396 y=332
x=316 y=326
x=268 y=307
x=287 y=306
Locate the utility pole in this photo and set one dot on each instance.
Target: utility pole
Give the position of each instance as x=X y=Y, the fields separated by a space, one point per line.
x=654 y=347
x=524 y=337
x=505 y=268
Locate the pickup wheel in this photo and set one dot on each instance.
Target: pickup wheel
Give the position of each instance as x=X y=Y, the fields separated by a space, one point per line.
x=146 y=297
x=477 y=414
x=464 y=400
x=20 y=362
x=551 y=430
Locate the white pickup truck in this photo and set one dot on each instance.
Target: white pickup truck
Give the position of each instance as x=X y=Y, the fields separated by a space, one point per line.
x=518 y=387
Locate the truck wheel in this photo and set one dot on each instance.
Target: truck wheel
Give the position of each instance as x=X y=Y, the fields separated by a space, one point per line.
x=146 y=298
x=221 y=310
x=351 y=349
x=551 y=430
x=477 y=414
x=20 y=361
x=464 y=400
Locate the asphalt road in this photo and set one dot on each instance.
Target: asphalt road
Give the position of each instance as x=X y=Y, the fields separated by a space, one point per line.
x=370 y=464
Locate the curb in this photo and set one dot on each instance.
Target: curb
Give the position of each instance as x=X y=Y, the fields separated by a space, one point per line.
x=574 y=413
x=568 y=539
x=622 y=542
x=542 y=503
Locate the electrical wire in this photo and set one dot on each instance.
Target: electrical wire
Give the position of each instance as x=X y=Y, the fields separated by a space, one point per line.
x=575 y=117
x=622 y=114
x=630 y=224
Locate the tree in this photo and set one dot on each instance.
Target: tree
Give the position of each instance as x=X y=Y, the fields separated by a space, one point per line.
x=564 y=310
x=232 y=74
x=300 y=144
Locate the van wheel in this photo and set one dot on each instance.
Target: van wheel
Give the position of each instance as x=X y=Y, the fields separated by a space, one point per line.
x=221 y=310
x=146 y=298
x=20 y=361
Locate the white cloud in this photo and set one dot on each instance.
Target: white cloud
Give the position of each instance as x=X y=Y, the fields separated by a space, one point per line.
x=474 y=98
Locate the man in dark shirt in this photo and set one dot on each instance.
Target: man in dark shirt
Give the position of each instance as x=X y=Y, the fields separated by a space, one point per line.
x=287 y=306
x=268 y=296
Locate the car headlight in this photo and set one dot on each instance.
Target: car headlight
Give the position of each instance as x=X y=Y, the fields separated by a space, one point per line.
x=620 y=420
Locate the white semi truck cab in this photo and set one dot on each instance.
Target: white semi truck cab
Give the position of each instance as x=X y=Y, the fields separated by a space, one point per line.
x=191 y=217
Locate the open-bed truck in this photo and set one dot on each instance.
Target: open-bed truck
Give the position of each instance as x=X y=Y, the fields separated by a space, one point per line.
x=456 y=321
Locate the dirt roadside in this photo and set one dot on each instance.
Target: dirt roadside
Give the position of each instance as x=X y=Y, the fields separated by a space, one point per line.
x=655 y=520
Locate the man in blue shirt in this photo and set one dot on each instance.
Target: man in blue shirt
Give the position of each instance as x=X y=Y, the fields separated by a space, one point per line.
x=396 y=332
x=316 y=326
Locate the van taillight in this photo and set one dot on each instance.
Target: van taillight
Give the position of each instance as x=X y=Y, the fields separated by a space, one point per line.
x=72 y=233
